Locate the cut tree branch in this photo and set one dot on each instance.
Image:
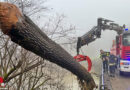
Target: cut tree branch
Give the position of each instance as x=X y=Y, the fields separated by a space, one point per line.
x=25 y=33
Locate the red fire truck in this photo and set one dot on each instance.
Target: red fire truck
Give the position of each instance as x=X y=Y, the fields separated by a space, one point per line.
x=121 y=49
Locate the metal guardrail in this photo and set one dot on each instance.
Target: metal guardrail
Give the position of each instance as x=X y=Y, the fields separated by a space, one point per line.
x=105 y=83
x=102 y=85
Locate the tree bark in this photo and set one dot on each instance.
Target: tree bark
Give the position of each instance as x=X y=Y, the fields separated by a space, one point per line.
x=28 y=35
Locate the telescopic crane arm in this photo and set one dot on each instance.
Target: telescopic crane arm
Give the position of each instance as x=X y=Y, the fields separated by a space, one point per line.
x=95 y=32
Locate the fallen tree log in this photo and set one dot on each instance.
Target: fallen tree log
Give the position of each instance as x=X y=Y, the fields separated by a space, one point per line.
x=24 y=32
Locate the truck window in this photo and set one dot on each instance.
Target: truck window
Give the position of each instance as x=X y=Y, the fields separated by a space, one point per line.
x=126 y=39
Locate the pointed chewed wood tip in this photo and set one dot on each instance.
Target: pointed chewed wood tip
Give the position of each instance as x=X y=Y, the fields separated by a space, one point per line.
x=9 y=16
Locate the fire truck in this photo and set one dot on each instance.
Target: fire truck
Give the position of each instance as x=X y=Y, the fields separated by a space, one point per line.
x=120 y=47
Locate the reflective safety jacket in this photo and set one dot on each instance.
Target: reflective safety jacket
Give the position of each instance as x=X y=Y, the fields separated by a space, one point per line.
x=112 y=60
x=104 y=55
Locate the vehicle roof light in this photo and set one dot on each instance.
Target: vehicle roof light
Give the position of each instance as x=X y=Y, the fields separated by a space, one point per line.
x=126 y=29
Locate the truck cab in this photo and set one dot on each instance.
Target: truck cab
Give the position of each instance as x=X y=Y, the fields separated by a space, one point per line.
x=124 y=53
x=121 y=49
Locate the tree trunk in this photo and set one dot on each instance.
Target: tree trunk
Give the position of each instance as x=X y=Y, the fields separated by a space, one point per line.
x=25 y=33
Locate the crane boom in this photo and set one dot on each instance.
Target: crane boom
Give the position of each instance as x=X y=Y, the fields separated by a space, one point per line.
x=95 y=32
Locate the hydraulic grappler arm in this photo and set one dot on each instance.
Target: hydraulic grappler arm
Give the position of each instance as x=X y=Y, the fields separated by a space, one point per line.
x=95 y=32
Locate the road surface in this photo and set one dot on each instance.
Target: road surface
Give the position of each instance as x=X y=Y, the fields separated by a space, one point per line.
x=121 y=82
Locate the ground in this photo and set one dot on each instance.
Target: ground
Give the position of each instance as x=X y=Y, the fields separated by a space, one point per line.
x=121 y=82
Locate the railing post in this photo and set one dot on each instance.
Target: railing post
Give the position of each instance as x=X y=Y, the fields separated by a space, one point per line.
x=102 y=86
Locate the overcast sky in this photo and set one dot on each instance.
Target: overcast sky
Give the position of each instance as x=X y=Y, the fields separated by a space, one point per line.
x=84 y=13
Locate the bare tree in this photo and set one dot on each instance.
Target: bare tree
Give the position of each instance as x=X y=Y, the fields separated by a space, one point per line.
x=58 y=30
x=23 y=70
x=30 y=7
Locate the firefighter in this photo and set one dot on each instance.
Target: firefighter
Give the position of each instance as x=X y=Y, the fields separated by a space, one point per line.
x=112 y=64
x=105 y=57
